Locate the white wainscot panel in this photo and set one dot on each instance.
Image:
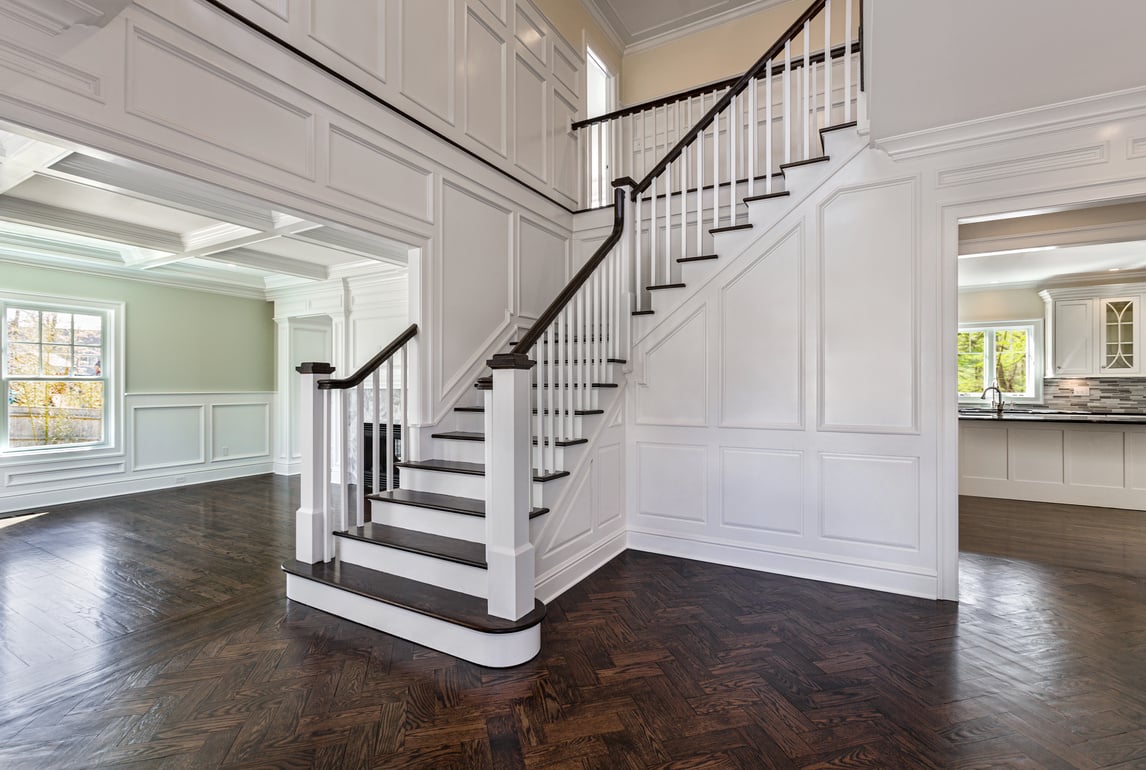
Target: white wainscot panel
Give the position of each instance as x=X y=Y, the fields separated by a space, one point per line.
x=1094 y=458
x=252 y=116
x=868 y=314
x=475 y=275
x=671 y=481
x=762 y=489
x=240 y=431
x=1136 y=460
x=374 y=174
x=675 y=389
x=46 y=68
x=485 y=84
x=762 y=336
x=1035 y=455
x=496 y=7
x=529 y=134
x=541 y=275
x=167 y=436
x=575 y=524
x=567 y=67
x=24 y=476
x=530 y=32
x=983 y=453
x=368 y=335
x=870 y=499
x=353 y=29
x=608 y=485
x=564 y=146
x=428 y=55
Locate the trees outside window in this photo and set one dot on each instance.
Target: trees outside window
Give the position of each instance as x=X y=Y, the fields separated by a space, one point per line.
x=1009 y=355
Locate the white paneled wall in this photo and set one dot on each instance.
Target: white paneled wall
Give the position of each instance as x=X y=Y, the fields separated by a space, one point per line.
x=489 y=74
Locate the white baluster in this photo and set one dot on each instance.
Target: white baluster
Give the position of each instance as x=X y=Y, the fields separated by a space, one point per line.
x=359 y=455
x=375 y=432
x=785 y=104
x=732 y=121
x=327 y=466
x=828 y=62
x=768 y=128
x=539 y=401
x=390 y=423
x=582 y=164
x=847 y=61
x=567 y=346
x=653 y=234
x=550 y=406
x=804 y=78
x=405 y=436
x=716 y=170
x=667 y=256
x=700 y=187
x=344 y=461
x=684 y=156
x=752 y=129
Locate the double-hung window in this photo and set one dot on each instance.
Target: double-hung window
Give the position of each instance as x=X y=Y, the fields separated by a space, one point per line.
x=58 y=373
x=1008 y=355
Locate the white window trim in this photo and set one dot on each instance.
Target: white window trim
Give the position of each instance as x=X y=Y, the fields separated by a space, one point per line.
x=113 y=365
x=1036 y=348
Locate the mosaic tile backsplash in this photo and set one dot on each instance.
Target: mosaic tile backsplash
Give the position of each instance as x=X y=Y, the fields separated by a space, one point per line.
x=1120 y=395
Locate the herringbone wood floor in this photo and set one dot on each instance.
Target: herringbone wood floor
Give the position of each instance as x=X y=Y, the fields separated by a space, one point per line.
x=151 y=631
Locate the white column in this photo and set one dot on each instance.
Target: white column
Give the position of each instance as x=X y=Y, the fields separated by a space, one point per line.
x=509 y=554
x=310 y=526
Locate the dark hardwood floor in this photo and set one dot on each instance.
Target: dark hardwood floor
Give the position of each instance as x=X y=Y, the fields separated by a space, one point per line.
x=152 y=631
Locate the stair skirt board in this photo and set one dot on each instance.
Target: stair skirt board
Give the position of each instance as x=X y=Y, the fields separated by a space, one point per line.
x=495 y=650
x=463 y=578
x=445 y=523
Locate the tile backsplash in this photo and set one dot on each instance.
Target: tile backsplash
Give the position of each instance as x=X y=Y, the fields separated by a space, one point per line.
x=1107 y=394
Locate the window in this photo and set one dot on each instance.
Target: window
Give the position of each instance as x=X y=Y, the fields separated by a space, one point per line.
x=1009 y=354
x=599 y=99
x=57 y=374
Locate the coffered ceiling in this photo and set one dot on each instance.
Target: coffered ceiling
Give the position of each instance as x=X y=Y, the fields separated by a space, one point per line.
x=67 y=208
x=645 y=22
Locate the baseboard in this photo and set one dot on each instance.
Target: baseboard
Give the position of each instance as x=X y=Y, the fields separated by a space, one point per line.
x=30 y=501
x=560 y=579
x=890 y=578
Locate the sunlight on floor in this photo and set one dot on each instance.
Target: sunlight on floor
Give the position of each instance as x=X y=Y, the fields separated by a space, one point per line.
x=17 y=519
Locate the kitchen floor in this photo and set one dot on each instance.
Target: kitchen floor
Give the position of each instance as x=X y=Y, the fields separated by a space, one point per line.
x=1078 y=536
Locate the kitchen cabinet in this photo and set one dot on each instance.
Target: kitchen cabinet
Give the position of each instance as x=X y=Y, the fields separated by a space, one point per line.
x=1073 y=336
x=1094 y=331
x=1118 y=336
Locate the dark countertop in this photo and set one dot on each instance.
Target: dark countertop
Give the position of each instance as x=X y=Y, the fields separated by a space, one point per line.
x=1033 y=415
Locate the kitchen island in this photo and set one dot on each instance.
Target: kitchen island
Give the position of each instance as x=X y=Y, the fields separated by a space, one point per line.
x=1074 y=457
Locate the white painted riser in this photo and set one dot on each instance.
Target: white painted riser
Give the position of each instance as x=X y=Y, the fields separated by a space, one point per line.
x=475 y=422
x=466 y=485
x=474 y=452
x=445 y=523
x=463 y=578
x=494 y=650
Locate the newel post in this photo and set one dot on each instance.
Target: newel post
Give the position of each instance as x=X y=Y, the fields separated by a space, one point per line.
x=508 y=450
x=311 y=526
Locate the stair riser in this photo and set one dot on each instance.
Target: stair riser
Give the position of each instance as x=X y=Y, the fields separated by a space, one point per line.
x=474 y=452
x=464 y=578
x=475 y=422
x=435 y=522
x=457 y=484
x=493 y=650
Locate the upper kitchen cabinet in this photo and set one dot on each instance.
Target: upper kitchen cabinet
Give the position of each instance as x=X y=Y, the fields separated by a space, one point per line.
x=1094 y=331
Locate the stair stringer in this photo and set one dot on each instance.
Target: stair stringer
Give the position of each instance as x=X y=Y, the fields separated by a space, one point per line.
x=598 y=523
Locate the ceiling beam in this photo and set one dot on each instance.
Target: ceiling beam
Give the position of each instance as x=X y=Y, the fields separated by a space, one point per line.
x=358 y=243
x=20 y=161
x=272 y=263
x=101 y=228
x=297 y=226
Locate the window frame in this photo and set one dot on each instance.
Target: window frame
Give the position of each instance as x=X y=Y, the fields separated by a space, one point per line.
x=111 y=372
x=1035 y=355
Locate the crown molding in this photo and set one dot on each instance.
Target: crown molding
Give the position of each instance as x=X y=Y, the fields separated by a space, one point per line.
x=1086 y=286
x=45 y=217
x=724 y=17
x=605 y=25
x=271 y=263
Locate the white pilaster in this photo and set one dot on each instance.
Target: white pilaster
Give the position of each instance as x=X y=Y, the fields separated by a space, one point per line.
x=311 y=527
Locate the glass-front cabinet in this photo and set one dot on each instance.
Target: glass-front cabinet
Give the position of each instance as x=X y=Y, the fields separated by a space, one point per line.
x=1118 y=335
x=1094 y=331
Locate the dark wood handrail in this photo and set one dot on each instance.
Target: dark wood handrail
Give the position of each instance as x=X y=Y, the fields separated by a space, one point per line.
x=680 y=96
x=367 y=368
x=530 y=338
x=723 y=102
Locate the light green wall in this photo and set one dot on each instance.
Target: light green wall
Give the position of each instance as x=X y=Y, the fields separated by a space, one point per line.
x=177 y=340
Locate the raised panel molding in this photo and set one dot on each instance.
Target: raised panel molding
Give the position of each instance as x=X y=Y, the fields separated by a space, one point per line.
x=1031 y=164
x=51 y=17
x=355 y=30
x=167 y=436
x=163 y=85
x=35 y=65
x=36 y=476
x=983 y=454
x=530 y=135
x=672 y=482
x=564 y=142
x=530 y=33
x=762 y=490
x=496 y=7
x=428 y=78
x=485 y=84
x=372 y=173
x=1136 y=147
x=762 y=340
x=240 y=431
x=869 y=309
x=870 y=499
x=566 y=67
x=576 y=522
x=674 y=390
x=542 y=255
x=280 y=8
x=1094 y=458
x=608 y=485
x=1035 y=456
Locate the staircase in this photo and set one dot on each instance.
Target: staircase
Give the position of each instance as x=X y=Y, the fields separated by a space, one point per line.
x=446 y=558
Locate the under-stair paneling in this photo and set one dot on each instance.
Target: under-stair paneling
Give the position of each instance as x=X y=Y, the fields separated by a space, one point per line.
x=744 y=472
x=674 y=390
x=870 y=500
x=762 y=340
x=869 y=309
x=672 y=483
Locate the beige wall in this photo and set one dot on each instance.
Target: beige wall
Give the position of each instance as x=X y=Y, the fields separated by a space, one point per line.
x=570 y=18
x=1002 y=305
x=720 y=52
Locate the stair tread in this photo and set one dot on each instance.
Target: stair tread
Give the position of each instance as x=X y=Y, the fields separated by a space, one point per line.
x=576 y=412
x=470 y=469
x=730 y=228
x=469 y=506
x=643 y=312
x=438 y=546
x=805 y=162
x=665 y=286
x=766 y=196
x=470 y=435
x=698 y=259
x=486 y=383
x=425 y=599
x=839 y=126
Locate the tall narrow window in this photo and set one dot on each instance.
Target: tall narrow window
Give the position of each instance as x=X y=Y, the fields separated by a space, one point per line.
x=55 y=376
x=598 y=101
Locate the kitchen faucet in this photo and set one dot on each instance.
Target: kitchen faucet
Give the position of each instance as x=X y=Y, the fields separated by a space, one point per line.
x=995 y=387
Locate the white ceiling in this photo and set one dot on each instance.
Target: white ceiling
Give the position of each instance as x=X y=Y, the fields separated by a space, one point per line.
x=63 y=207
x=646 y=21
x=1048 y=265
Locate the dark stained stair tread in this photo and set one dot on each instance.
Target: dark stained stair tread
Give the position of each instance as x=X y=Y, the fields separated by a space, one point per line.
x=805 y=162
x=448 y=548
x=766 y=196
x=698 y=259
x=665 y=286
x=422 y=598
x=838 y=126
x=576 y=412
x=469 y=506
x=730 y=228
x=466 y=435
x=643 y=312
x=470 y=469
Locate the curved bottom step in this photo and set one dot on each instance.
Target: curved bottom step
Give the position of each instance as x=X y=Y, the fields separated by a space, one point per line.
x=433 y=617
